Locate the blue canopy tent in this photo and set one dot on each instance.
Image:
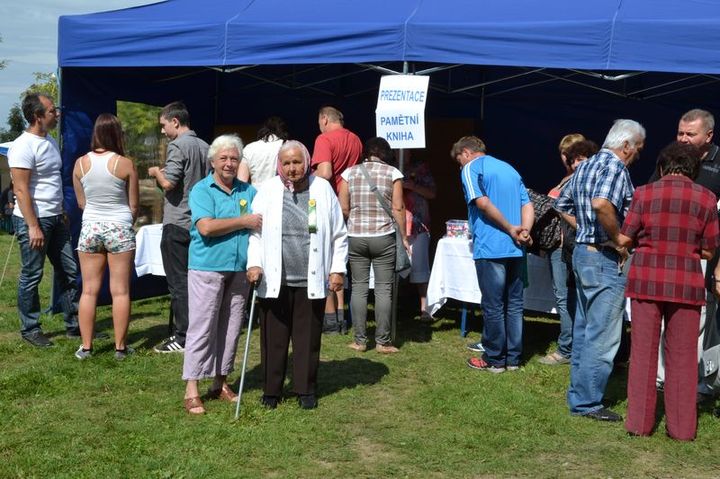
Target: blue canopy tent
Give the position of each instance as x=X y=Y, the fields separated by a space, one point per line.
x=559 y=65
x=524 y=72
x=4 y=147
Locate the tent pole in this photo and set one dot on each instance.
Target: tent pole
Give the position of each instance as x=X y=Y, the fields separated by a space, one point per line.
x=396 y=282
x=215 y=102
x=482 y=104
x=401 y=159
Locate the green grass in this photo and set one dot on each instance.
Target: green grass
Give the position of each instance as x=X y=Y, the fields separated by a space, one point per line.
x=420 y=414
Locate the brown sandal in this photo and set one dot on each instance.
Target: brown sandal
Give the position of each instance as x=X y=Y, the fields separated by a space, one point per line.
x=193 y=404
x=224 y=394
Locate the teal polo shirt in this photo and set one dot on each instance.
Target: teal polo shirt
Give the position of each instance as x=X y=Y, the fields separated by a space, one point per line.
x=219 y=253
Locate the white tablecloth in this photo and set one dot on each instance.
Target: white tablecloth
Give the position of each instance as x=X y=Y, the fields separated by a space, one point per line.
x=148 y=259
x=453 y=276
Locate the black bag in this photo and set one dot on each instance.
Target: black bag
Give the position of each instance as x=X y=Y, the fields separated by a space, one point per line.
x=546 y=231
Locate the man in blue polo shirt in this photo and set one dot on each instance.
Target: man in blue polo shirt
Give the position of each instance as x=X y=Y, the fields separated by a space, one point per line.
x=500 y=216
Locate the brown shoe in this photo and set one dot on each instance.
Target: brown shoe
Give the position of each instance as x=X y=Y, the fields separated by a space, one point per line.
x=361 y=348
x=194 y=406
x=224 y=394
x=386 y=349
x=554 y=359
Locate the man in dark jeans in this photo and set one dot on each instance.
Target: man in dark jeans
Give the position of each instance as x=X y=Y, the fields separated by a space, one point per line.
x=185 y=165
x=39 y=220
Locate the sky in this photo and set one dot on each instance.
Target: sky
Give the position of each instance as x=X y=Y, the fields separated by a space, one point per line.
x=29 y=40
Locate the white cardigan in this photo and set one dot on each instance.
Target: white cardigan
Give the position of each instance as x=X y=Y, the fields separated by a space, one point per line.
x=328 y=247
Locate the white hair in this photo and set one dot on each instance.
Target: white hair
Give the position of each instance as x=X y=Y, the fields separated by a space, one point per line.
x=225 y=142
x=624 y=131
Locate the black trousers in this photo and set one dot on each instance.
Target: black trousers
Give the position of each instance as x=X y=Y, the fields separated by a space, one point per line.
x=290 y=316
x=174 y=247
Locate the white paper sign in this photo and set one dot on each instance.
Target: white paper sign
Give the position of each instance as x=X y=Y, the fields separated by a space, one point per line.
x=400 y=112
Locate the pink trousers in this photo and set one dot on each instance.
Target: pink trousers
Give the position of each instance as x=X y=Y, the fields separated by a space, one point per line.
x=216 y=303
x=682 y=322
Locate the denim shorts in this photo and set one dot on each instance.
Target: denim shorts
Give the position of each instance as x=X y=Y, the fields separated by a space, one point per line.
x=102 y=236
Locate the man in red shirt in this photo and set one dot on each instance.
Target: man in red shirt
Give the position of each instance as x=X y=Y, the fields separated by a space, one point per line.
x=336 y=149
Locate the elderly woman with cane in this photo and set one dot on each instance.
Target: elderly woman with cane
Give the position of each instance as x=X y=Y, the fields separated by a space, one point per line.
x=298 y=256
x=217 y=282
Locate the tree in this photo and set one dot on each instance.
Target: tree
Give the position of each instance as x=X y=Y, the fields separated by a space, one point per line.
x=3 y=63
x=16 y=122
x=142 y=133
x=45 y=83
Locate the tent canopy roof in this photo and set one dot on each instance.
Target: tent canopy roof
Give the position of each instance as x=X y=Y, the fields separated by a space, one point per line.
x=642 y=35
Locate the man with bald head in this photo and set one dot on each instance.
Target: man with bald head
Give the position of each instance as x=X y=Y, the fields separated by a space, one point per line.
x=696 y=128
x=336 y=149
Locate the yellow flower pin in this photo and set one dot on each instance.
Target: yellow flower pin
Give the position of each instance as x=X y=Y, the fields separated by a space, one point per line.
x=243 y=202
x=312 y=216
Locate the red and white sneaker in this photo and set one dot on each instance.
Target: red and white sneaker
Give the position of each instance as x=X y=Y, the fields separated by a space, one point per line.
x=479 y=363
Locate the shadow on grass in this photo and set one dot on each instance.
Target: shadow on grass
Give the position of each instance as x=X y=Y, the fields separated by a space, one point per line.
x=149 y=337
x=333 y=376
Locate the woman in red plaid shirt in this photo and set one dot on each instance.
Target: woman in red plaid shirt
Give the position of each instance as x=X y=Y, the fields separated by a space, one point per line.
x=672 y=223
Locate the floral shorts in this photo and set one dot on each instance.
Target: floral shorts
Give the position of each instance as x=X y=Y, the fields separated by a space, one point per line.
x=101 y=236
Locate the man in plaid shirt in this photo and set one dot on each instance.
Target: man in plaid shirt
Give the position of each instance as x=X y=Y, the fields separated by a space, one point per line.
x=596 y=201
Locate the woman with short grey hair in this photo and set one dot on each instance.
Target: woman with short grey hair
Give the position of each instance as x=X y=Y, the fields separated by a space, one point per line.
x=222 y=219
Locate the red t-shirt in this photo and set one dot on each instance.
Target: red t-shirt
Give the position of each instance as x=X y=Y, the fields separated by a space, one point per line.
x=341 y=148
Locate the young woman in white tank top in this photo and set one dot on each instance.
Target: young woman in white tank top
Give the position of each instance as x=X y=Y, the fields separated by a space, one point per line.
x=106 y=187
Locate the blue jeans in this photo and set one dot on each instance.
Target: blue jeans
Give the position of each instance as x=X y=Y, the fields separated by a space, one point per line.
x=501 y=287
x=565 y=301
x=598 y=322
x=58 y=248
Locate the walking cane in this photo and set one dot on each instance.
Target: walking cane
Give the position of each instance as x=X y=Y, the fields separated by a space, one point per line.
x=247 y=350
x=2 y=278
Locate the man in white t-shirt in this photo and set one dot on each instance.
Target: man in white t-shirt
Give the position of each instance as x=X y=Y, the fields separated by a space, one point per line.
x=40 y=226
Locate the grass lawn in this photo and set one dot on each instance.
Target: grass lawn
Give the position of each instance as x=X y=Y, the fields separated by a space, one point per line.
x=420 y=414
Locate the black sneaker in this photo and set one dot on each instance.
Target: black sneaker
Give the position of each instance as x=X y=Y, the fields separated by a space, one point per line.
x=331 y=324
x=307 y=401
x=476 y=347
x=38 y=339
x=604 y=414
x=270 y=402
x=75 y=334
x=121 y=354
x=170 y=345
